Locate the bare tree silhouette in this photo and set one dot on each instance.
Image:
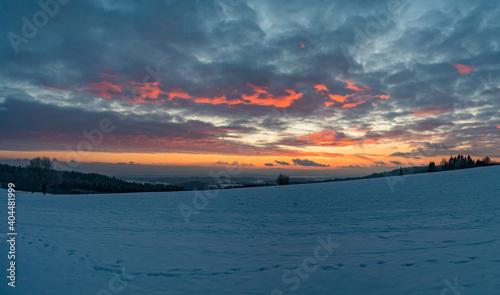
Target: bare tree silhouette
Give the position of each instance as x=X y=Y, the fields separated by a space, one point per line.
x=283 y=179
x=42 y=172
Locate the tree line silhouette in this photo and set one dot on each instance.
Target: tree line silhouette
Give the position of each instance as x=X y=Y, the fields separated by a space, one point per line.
x=460 y=162
x=39 y=176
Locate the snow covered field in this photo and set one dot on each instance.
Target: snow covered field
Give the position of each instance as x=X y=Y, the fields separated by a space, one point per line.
x=434 y=233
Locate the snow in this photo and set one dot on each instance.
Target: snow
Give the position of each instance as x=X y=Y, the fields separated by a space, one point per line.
x=432 y=233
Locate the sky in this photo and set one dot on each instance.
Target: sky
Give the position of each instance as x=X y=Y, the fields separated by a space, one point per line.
x=345 y=86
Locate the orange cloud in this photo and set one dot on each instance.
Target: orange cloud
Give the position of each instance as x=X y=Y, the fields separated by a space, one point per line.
x=152 y=90
x=262 y=97
x=177 y=92
x=302 y=45
x=145 y=90
x=320 y=87
x=427 y=112
x=350 y=100
x=339 y=98
x=221 y=99
x=352 y=105
x=139 y=91
x=463 y=69
x=259 y=97
x=354 y=86
x=105 y=89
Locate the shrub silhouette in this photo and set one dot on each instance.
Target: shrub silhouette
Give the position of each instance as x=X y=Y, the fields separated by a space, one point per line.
x=283 y=179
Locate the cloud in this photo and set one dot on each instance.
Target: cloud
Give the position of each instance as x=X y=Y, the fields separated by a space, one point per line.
x=463 y=69
x=269 y=164
x=351 y=166
x=397 y=163
x=429 y=150
x=282 y=163
x=402 y=154
x=379 y=164
x=233 y=163
x=307 y=162
x=332 y=138
x=429 y=124
x=428 y=112
x=356 y=95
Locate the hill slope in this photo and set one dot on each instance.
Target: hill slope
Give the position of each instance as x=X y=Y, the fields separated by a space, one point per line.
x=405 y=235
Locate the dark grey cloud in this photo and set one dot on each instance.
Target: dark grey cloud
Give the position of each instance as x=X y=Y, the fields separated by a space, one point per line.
x=269 y=164
x=402 y=154
x=284 y=163
x=51 y=125
x=233 y=163
x=306 y=162
x=350 y=166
